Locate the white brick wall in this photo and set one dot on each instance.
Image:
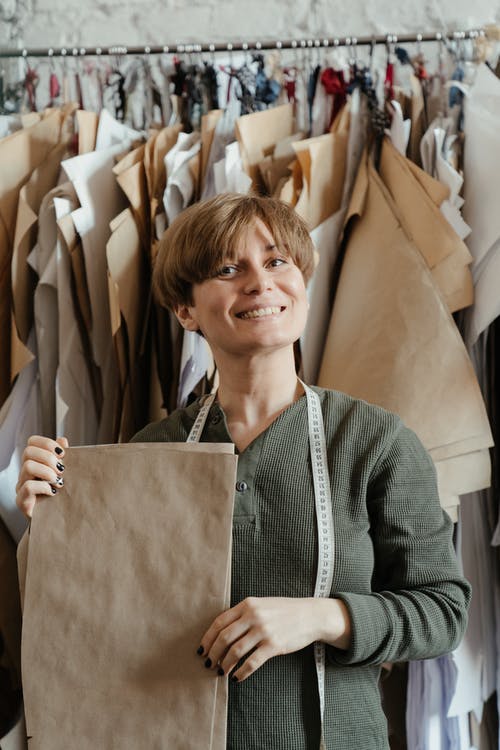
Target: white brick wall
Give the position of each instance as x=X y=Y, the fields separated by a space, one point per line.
x=93 y=22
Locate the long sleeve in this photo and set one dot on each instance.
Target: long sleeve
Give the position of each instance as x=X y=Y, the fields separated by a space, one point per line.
x=418 y=605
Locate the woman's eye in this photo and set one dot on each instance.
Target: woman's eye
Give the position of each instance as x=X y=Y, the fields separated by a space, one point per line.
x=276 y=262
x=226 y=271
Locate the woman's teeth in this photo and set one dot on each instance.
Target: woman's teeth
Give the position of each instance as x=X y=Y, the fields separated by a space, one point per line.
x=260 y=313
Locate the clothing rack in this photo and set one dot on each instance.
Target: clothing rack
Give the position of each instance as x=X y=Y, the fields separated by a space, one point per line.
x=325 y=42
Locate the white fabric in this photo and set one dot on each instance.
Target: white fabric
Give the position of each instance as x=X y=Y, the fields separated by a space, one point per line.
x=481 y=190
x=100 y=201
x=180 y=185
x=75 y=412
x=399 y=132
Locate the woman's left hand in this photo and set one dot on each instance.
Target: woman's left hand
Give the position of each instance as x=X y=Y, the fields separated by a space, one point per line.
x=257 y=629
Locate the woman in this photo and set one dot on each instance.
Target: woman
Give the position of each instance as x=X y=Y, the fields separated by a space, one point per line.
x=234 y=269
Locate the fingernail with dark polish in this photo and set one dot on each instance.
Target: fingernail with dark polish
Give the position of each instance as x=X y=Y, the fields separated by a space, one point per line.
x=208 y=663
x=199 y=650
x=58 y=450
x=220 y=672
x=53 y=490
x=60 y=466
x=234 y=678
x=59 y=481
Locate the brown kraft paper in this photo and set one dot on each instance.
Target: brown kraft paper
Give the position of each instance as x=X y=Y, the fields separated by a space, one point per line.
x=127 y=566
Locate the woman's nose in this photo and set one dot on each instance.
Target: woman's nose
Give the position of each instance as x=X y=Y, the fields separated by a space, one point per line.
x=257 y=281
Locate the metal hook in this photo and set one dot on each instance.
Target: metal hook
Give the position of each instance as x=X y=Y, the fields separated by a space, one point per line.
x=317 y=45
x=373 y=44
x=50 y=53
x=354 y=51
x=419 y=45
x=247 y=54
x=229 y=48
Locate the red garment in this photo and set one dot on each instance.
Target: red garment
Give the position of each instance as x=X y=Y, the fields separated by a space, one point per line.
x=420 y=71
x=334 y=83
x=30 y=82
x=54 y=87
x=389 y=82
x=289 y=83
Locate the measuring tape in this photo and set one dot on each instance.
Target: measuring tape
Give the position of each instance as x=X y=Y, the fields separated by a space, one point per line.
x=324 y=523
x=199 y=424
x=324 y=516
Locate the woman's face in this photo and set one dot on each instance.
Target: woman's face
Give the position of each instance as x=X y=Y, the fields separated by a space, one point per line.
x=257 y=302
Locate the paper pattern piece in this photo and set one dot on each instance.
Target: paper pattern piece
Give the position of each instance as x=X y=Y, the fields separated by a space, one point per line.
x=126 y=568
x=418 y=198
x=393 y=342
x=258 y=134
x=128 y=290
x=322 y=164
x=100 y=202
x=77 y=378
x=20 y=154
x=350 y=125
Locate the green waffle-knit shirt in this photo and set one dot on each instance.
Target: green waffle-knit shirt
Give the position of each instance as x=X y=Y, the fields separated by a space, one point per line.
x=395 y=566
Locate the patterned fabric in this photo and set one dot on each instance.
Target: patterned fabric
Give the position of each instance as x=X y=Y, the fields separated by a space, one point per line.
x=395 y=567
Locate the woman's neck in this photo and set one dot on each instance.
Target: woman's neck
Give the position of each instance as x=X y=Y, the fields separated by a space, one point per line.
x=252 y=392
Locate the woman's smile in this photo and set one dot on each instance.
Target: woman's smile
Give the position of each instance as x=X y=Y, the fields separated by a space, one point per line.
x=258 y=313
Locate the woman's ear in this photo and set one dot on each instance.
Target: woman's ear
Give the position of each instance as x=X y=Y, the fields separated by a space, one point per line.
x=184 y=314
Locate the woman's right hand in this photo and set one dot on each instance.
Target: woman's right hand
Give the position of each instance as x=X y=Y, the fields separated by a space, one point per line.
x=41 y=471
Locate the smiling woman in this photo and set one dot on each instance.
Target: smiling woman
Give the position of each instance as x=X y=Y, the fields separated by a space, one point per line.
x=342 y=557
x=205 y=237
x=254 y=304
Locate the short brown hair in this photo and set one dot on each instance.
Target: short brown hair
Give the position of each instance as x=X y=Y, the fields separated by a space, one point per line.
x=206 y=234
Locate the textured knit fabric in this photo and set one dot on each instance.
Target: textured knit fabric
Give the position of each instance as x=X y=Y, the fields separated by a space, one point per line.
x=395 y=566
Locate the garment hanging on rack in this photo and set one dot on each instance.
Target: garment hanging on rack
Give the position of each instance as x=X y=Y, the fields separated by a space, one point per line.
x=349 y=139
x=20 y=154
x=144 y=176
x=478 y=656
x=411 y=348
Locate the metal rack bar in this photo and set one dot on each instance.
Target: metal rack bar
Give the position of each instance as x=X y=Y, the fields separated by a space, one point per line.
x=324 y=42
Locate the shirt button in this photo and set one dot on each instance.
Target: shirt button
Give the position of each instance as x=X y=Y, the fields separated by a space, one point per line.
x=215 y=419
x=241 y=486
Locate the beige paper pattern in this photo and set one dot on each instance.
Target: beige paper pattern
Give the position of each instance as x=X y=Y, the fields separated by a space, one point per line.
x=127 y=566
x=80 y=388
x=156 y=173
x=20 y=154
x=322 y=162
x=87 y=130
x=131 y=177
x=208 y=124
x=31 y=196
x=258 y=134
x=128 y=291
x=100 y=202
x=417 y=197
x=392 y=340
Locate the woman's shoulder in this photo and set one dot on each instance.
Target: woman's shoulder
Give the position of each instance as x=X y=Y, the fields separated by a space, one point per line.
x=369 y=430
x=366 y=427
x=339 y=407
x=172 y=429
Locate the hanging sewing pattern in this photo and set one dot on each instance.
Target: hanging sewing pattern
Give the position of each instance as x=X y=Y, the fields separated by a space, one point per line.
x=102 y=148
